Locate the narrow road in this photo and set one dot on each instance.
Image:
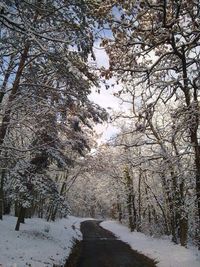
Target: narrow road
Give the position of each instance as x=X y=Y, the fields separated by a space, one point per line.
x=100 y=248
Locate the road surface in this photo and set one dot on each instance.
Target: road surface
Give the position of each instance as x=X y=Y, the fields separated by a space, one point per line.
x=100 y=248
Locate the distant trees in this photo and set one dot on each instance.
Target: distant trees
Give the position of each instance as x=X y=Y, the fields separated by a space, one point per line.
x=133 y=181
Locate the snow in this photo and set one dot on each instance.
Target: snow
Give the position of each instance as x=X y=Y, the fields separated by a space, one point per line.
x=38 y=243
x=163 y=251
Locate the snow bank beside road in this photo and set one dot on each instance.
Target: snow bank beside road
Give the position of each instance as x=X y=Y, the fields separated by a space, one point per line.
x=166 y=253
x=38 y=243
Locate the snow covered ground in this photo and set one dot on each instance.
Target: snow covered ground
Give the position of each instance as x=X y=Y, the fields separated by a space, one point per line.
x=38 y=243
x=166 y=253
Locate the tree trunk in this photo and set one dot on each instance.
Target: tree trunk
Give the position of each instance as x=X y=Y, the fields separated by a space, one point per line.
x=7 y=207
x=148 y=205
x=130 y=213
x=193 y=128
x=6 y=117
x=130 y=199
x=167 y=232
x=2 y=194
x=183 y=224
x=16 y=209
x=49 y=213
x=170 y=199
x=139 y=201
x=183 y=231
x=171 y=207
x=119 y=210
x=6 y=78
x=23 y=215
x=197 y=163
x=177 y=203
x=53 y=215
x=20 y=218
x=1 y=204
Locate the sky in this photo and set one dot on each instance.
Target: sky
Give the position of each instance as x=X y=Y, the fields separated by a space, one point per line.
x=105 y=98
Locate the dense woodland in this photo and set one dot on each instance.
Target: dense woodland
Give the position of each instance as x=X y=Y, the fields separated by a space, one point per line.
x=148 y=175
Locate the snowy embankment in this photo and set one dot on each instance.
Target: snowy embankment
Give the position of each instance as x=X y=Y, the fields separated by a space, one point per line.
x=163 y=251
x=38 y=243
